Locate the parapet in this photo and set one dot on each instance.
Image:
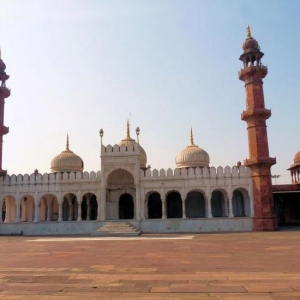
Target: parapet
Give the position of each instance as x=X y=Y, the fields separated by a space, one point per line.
x=48 y=178
x=205 y=172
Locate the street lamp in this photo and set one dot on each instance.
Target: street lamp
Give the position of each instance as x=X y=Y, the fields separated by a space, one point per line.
x=275 y=176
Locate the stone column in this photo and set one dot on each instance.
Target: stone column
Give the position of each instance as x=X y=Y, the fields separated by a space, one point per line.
x=164 y=216
x=229 y=192
x=208 y=195
x=230 y=208
x=143 y=204
x=88 y=206
x=183 y=209
x=18 y=204
x=7 y=214
x=60 y=219
x=49 y=209
x=36 y=208
x=70 y=208
x=138 y=202
x=79 y=201
x=102 y=203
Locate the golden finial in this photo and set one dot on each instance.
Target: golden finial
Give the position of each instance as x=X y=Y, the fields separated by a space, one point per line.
x=248 y=32
x=67 y=146
x=192 y=137
x=128 y=130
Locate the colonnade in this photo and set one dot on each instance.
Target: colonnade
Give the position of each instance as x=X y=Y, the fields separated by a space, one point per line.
x=87 y=206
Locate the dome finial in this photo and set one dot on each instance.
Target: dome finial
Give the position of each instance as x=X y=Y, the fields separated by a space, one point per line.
x=128 y=129
x=248 y=32
x=67 y=146
x=192 y=137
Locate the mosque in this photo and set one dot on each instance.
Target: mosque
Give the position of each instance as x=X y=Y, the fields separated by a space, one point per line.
x=126 y=197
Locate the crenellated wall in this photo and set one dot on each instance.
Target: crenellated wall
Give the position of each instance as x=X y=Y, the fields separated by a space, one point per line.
x=109 y=149
x=206 y=172
x=48 y=178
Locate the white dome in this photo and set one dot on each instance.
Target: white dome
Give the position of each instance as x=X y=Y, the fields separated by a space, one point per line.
x=192 y=156
x=67 y=161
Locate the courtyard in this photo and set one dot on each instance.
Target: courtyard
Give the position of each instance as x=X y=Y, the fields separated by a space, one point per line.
x=253 y=265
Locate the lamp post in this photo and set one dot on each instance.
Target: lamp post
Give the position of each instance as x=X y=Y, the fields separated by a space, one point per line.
x=101 y=132
x=275 y=177
x=137 y=131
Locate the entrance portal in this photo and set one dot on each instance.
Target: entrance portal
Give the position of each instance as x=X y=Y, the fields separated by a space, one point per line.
x=126 y=207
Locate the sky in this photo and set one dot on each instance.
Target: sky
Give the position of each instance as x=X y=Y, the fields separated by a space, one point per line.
x=168 y=65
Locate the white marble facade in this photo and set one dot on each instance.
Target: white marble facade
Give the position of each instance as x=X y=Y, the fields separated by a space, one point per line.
x=187 y=199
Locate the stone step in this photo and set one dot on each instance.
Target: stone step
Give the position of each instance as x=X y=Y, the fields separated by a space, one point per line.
x=116 y=228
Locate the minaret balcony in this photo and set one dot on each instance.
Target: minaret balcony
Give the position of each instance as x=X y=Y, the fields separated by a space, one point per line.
x=4 y=130
x=4 y=92
x=260 y=71
x=262 y=161
x=256 y=113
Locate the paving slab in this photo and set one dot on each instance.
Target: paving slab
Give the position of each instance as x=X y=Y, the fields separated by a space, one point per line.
x=263 y=266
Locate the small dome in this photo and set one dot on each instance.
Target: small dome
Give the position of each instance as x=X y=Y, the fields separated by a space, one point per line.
x=192 y=156
x=297 y=158
x=128 y=141
x=67 y=161
x=250 y=43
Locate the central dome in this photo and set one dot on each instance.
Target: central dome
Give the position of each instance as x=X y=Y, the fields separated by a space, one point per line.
x=67 y=161
x=128 y=141
x=192 y=156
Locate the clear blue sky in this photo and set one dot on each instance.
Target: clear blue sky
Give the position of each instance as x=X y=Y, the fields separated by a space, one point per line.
x=78 y=66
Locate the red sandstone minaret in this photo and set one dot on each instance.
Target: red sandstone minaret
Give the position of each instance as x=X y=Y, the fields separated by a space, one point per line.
x=4 y=93
x=256 y=115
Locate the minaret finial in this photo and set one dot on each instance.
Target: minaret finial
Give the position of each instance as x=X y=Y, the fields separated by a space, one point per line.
x=67 y=146
x=248 y=32
x=192 y=137
x=128 y=129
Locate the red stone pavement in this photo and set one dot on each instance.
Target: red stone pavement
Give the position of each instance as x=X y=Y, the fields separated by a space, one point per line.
x=261 y=265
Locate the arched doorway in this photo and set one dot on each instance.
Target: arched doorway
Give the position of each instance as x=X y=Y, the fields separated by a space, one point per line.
x=218 y=205
x=195 y=205
x=174 y=205
x=119 y=182
x=70 y=207
x=48 y=208
x=10 y=209
x=154 y=206
x=89 y=207
x=238 y=204
x=27 y=209
x=126 y=207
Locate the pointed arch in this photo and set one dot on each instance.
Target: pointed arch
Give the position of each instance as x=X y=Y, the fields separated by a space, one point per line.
x=126 y=206
x=48 y=208
x=154 y=205
x=195 y=204
x=10 y=205
x=27 y=208
x=70 y=207
x=241 y=203
x=89 y=207
x=219 y=203
x=174 y=204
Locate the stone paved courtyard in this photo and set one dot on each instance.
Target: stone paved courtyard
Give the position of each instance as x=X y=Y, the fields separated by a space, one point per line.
x=205 y=266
